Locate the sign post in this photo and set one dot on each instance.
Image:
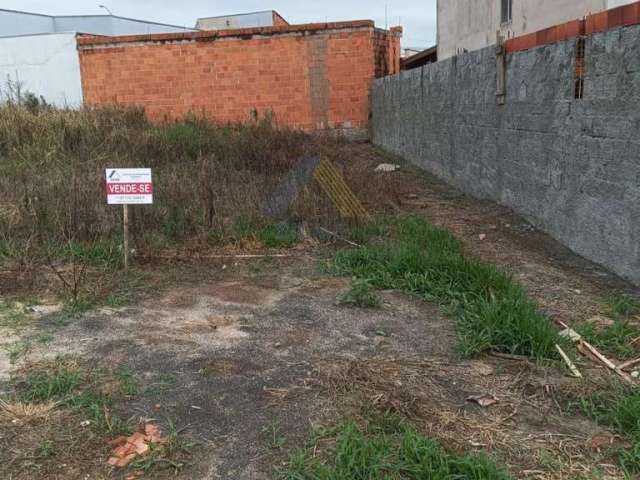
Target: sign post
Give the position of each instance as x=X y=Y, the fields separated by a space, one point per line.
x=128 y=186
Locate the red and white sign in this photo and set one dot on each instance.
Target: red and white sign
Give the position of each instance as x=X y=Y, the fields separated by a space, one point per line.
x=129 y=186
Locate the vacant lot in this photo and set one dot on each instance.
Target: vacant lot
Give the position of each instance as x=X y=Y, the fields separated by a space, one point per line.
x=266 y=351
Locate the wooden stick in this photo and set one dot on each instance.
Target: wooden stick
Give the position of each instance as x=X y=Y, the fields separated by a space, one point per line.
x=604 y=360
x=333 y=234
x=593 y=351
x=239 y=256
x=630 y=363
x=125 y=221
x=509 y=356
x=574 y=370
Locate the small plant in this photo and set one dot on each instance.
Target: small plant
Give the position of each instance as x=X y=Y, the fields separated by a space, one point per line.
x=361 y=294
x=274 y=437
x=128 y=385
x=45 y=449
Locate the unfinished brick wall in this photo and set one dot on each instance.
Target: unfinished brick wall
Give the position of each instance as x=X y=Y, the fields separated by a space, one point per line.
x=387 y=51
x=309 y=76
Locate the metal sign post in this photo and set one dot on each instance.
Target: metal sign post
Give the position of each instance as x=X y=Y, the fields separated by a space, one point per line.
x=128 y=186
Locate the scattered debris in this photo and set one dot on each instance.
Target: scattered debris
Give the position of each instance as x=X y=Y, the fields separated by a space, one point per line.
x=589 y=350
x=484 y=401
x=387 y=168
x=127 y=449
x=342 y=197
x=574 y=370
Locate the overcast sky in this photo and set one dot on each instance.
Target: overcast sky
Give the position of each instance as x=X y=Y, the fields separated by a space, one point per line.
x=417 y=16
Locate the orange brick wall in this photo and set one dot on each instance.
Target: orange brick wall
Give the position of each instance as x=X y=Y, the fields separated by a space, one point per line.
x=310 y=76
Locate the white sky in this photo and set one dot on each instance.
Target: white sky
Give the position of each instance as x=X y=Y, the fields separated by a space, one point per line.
x=417 y=17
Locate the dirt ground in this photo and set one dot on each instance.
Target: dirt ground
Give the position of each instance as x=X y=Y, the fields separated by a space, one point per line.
x=243 y=356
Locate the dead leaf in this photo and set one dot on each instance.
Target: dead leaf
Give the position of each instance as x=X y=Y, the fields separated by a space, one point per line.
x=484 y=401
x=598 y=442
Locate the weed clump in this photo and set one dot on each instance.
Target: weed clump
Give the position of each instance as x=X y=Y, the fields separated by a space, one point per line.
x=361 y=294
x=493 y=311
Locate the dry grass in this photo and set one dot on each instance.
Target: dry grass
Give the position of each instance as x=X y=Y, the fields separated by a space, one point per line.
x=212 y=185
x=26 y=412
x=525 y=429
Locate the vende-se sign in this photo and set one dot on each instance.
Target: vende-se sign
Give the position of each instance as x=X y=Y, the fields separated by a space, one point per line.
x=129 y=186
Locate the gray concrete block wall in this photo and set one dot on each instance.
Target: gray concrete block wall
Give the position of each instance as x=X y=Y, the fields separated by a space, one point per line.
x=572 y=166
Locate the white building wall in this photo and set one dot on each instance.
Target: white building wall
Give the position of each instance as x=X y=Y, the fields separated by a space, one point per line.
x=474 y=24
x=46 y=65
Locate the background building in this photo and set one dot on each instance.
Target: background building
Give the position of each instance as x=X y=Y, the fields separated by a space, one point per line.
x=268 y=18
x=465 y=25
x=39 y=53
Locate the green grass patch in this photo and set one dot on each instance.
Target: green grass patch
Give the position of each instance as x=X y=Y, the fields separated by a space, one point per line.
x=617 y=408
x=361 y=294
x=104 y=254
x=243 y=227
x=615 y=338
x=278 y=235
x=493 y=311
x=388 y=450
